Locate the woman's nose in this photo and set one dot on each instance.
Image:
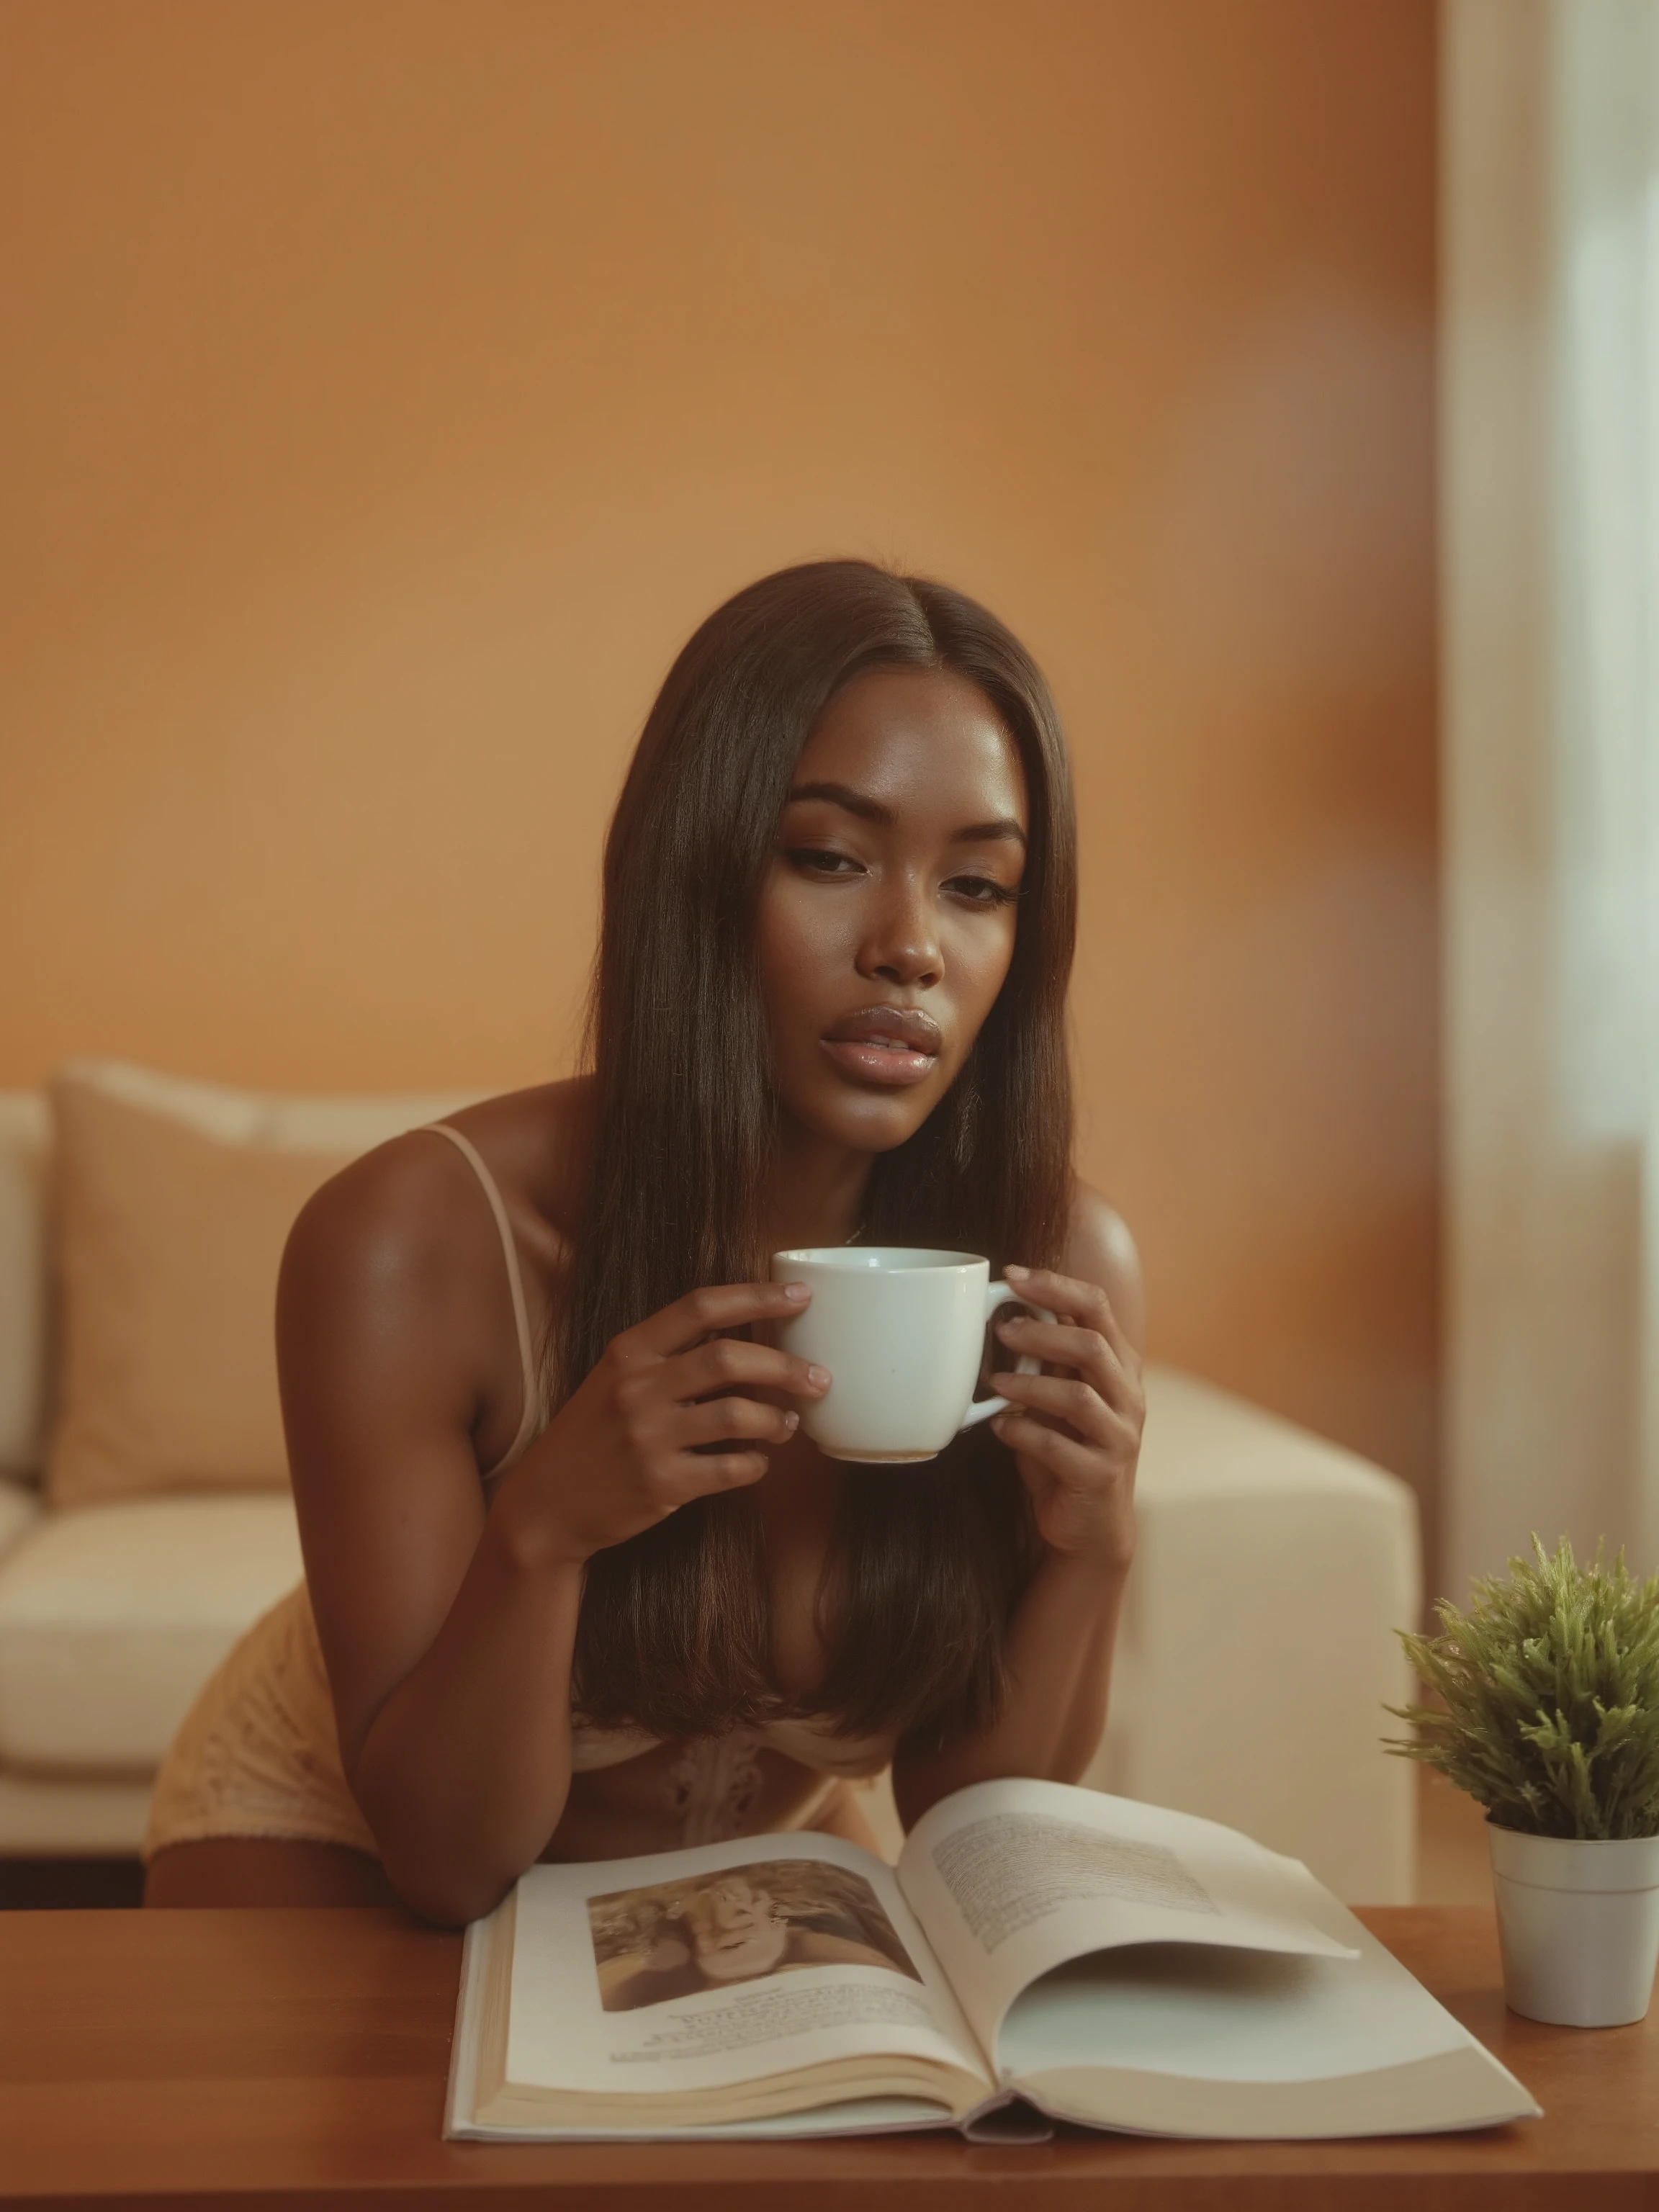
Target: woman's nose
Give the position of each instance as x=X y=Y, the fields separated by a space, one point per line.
x=902 y=944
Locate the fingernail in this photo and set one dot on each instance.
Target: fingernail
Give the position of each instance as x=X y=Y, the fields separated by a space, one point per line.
x=1013 y=1268
x=1000 y=1388
x=799 y=1291
x=791 y=1421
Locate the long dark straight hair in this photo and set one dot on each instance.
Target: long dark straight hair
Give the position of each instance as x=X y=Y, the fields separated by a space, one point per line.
x=926 y=1565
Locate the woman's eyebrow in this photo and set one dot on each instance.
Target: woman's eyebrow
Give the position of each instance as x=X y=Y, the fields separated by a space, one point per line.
x=842 y=794
x=871 y=810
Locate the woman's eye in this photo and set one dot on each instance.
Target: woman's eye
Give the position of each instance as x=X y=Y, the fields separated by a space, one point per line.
x=819 y=863
x=982 y=891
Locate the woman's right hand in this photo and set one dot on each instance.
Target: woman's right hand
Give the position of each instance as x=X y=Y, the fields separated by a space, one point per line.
x=635 y=1441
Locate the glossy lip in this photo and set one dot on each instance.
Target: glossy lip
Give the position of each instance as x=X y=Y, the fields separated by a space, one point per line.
x=891 y=1046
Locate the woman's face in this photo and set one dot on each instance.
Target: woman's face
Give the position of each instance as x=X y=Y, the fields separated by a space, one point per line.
x=887 y=919
x=736 y=1932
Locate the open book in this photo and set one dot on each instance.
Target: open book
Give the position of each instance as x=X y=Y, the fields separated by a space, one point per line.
x=1037 y=1947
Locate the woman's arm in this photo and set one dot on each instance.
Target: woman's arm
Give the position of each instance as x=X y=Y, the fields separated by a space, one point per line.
x=449 y=1631
x=1076 y=1437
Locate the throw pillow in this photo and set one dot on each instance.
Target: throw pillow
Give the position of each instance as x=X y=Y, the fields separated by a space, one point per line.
x=173 y=1201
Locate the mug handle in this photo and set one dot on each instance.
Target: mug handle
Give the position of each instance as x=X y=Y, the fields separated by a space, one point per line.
x=1001 y=1294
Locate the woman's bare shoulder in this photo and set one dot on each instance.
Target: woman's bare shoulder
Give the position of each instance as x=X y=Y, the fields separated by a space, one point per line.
x=404 y=1200
x=1099 y=1248
x=536 y=1144
x=399 y=1240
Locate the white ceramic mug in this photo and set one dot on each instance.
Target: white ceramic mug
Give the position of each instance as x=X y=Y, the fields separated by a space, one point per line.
x=901 y=1332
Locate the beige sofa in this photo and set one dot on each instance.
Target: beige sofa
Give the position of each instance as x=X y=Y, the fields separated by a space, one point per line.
x=1256 y=1655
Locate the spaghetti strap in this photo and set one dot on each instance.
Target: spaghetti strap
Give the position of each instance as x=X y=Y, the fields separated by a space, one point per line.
x=527 y=1420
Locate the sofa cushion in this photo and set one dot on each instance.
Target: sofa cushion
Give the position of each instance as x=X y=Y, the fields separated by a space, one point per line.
x=348 y=1122
x=112 y=1616
x=174 y=1200
x=25 y=1146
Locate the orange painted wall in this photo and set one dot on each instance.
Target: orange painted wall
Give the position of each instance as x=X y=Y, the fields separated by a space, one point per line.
x=393 y=383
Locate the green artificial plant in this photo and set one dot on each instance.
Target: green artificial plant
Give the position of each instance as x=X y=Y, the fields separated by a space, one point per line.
x=1549 y=1698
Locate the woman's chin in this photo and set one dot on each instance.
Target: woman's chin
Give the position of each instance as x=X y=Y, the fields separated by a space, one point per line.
x=864 y=1120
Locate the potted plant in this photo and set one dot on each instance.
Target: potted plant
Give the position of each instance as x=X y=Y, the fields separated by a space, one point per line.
x=1548 y=1714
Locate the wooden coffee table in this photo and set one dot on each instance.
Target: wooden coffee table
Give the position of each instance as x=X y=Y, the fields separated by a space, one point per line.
x=299 y=2059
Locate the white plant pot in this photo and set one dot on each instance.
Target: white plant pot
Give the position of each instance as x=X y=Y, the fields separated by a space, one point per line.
x=1578 y=1926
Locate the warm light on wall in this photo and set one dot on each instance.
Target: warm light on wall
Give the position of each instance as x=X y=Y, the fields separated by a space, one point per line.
x=401 y=381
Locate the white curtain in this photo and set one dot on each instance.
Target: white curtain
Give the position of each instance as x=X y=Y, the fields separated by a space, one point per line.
x=1605 y=179
x=1605 y=176
x=1551 y=566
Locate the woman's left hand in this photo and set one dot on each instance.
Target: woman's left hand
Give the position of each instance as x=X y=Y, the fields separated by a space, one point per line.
x=1075 y=1431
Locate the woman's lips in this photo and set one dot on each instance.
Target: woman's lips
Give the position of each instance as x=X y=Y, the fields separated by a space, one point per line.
x=879 y=1063
x=894 y=1046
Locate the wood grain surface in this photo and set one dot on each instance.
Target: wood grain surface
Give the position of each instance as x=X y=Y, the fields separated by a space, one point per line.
x=299 y=2059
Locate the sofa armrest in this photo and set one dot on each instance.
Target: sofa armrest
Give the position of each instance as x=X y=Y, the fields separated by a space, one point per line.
x=1258 y=1646
x=20 y=1509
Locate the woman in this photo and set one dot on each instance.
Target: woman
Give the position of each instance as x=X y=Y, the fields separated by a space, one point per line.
x=575 y=1586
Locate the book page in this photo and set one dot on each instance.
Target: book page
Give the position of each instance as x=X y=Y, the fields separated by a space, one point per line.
x=1181 y=2039
x=870 y=2116
x=695 y=1970
x=1013 y=1879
